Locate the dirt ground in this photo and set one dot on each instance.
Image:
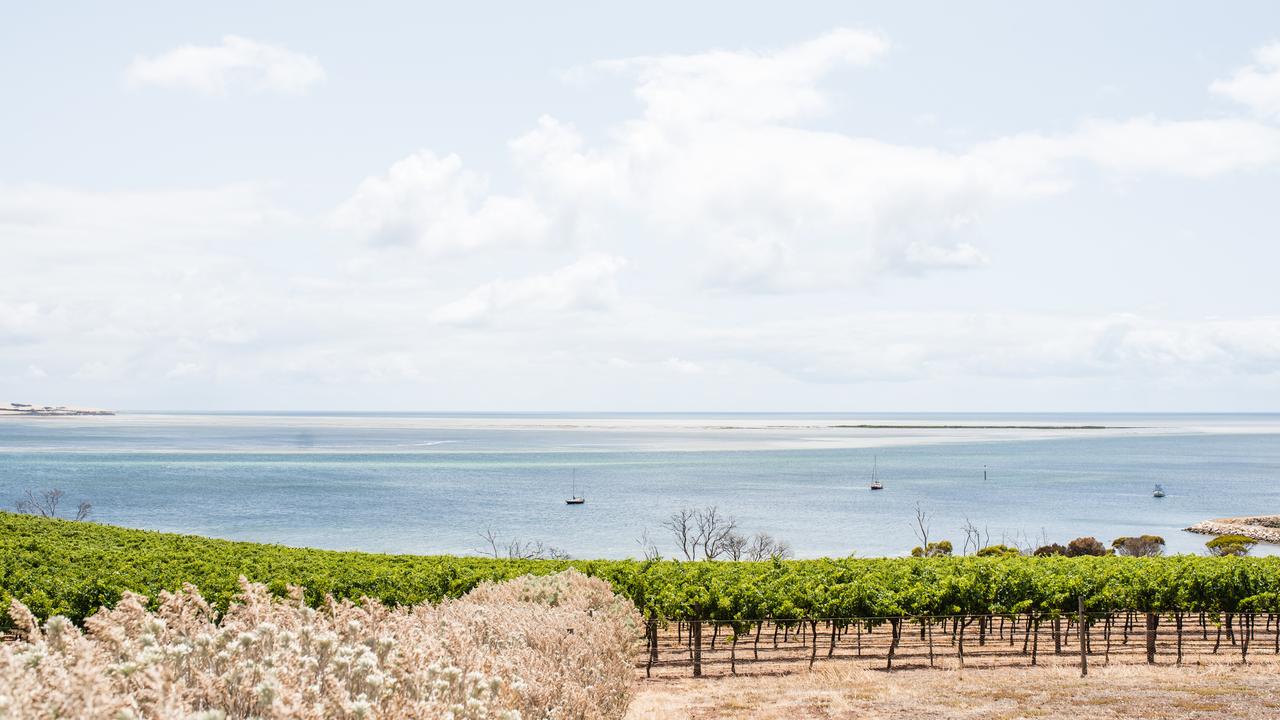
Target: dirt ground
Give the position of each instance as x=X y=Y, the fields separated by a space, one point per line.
x=843 y=689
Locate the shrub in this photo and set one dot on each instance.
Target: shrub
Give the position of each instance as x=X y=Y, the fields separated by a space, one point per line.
x=1141 y=546
x=554 y=646
x=1224 y=545
x=1085 y=546
x=941 y=548
x=999 y=551
x=1051 y=549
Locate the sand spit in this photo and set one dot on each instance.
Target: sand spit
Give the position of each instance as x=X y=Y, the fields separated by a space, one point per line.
x=28 y=410
x=1263 y=528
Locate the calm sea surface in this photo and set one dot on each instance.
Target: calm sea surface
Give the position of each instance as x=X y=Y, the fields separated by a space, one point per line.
x=430 y=483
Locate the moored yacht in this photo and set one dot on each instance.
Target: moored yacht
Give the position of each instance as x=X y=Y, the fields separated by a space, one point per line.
x=875 y=475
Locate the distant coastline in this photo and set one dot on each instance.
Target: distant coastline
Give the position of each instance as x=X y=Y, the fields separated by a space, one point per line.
x=14 y=409
x=900 y=426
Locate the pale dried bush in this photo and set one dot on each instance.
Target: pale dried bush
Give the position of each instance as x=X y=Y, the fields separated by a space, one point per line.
x=534 y=647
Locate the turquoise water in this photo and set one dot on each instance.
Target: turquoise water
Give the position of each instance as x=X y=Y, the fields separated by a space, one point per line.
x=430 y=483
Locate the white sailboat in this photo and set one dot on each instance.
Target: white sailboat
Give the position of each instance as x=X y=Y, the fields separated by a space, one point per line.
x=1158 y=492
x=875 y=475
x=575 y=498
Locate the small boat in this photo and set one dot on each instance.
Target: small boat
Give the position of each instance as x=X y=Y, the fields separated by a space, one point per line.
x=575 y=498
x=875 y=476
x=1158 y=492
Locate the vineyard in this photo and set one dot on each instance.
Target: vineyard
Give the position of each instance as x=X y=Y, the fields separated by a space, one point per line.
x=72 y=569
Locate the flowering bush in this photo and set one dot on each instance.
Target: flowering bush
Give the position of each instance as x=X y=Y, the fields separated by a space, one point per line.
x=556 y=646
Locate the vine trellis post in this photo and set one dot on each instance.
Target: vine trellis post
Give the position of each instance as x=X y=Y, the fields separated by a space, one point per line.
x=1082 y=634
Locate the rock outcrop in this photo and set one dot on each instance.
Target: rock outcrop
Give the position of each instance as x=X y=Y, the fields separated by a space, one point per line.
x=1263 y=528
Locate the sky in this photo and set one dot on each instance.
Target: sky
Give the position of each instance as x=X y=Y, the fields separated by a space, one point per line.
x=717 y=206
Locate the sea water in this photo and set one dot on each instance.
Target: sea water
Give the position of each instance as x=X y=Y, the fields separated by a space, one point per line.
x=433 y=483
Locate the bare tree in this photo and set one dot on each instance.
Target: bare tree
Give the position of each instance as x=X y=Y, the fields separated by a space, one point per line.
x=735 y=545
x=83 y=510
x=44 y=504
x=534 y=550
x=1024 y=543
x=712 y=534
x=921 y=526
x=970 y=532
x=764 y=547
x=713 y=529
x=648 y=547
x=681 y=525
x=491 y=539
x=517 y=549
x=975 y=538
x=708 y=532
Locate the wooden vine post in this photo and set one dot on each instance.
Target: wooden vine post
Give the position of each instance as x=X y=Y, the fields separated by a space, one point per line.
x=1153 y=621
x=1081 y=635
x=695 y=628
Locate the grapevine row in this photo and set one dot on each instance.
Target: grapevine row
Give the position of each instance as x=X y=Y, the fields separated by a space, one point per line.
x=72 y=569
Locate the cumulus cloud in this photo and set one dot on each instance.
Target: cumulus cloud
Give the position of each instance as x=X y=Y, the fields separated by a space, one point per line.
x=1189 y=148
x=440 y=206
x=588 y=284
x=237 y=63
x=717 y=164
x=745 y=86
x=1256 y=85
x=433 y=284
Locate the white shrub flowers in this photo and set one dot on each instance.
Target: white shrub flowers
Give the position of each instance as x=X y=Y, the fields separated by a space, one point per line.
x=558 y=646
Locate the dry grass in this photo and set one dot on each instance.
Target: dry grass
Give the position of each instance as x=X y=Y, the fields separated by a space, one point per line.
x=846 y=690
x=552 y=647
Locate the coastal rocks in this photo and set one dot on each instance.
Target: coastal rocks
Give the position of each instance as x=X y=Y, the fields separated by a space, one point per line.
x=1263 y=528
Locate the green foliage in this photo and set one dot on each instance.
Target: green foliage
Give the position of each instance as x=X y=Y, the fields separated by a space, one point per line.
x=1141 y=546
x=942 y=548
x=999 y=551
x=1231 y=545
x=1085 y=546
x=73 y=568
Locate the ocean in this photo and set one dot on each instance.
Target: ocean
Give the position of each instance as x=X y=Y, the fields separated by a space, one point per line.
x=432 y=483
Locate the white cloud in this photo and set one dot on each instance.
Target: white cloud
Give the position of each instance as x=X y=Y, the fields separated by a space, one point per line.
x=1190 y=148
x=435 y=203
x=746 y=86
x=685 y=367
x=1257 y=85
x=757 y=205
x=716 y=187
x=218 y=69
x=588 y=284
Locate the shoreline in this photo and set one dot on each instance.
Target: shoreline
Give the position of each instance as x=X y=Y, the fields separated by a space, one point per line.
x=1263 y=528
